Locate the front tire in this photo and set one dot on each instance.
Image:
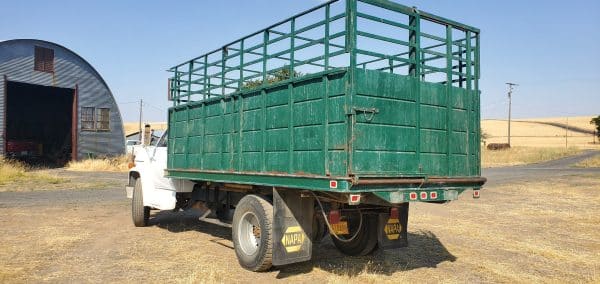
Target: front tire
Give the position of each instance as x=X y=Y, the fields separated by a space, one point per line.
x=365 y=235
x=139 y=213
x=252 y=233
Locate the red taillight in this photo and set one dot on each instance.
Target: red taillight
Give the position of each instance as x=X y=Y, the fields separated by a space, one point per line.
x=433 y=195
x=333 y=184
x=394 y=214
x=423 y=195
x=476 y=193
x=334 y=216
x=354 y=199
x=413 y=196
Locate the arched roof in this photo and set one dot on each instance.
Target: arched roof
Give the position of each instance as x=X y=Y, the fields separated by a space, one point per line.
x=96 y=74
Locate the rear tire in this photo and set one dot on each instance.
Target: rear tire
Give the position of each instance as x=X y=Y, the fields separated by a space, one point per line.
x=319 y=228
x=139 y=213
x=252 y=233
x=366 y=238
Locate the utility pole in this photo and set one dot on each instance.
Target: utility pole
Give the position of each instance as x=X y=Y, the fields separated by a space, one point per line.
x=510 y=90
x=140 y=122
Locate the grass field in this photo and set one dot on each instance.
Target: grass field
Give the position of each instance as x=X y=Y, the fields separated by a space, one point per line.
x=133 y=127
x=539 y=135
x=576 y=121
x=519 y=155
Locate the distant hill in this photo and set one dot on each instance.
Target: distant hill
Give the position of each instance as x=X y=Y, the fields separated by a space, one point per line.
x=542 y=132
x=133 y=127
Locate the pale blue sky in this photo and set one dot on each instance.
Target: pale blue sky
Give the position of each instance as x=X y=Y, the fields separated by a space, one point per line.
x=551 y=48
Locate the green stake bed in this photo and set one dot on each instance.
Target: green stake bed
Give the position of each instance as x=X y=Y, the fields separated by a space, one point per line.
x=351 y=96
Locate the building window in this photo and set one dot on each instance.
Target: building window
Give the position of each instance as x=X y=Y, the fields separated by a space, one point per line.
x=87 y=118
x=44 y=59
x=103 y=118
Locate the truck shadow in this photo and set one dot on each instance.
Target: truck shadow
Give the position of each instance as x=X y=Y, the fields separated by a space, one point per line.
x=425 y=250
x=183 y=221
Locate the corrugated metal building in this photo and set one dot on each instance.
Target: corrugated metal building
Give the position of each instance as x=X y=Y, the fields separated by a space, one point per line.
x=54 y=104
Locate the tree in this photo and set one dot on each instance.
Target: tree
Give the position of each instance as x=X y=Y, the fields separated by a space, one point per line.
x=596 y=121
x=279 y=75
x=484 y=136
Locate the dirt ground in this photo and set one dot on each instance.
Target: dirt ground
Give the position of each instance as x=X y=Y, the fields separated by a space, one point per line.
x=525 y=230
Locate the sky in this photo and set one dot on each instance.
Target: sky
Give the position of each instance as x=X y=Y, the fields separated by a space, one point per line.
x=550 y=48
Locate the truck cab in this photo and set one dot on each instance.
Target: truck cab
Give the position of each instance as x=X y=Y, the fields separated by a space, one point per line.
x=149 y=164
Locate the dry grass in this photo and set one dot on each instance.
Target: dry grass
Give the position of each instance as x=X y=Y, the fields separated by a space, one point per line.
x=593 y=162
x=133 y=127
x=499 y=239
x=17 y=172
x=17 y=176
x=108 y=164
x=577 y=121
x=23 y=255
x=523 y=155
x=539 y=135
x=509 y=235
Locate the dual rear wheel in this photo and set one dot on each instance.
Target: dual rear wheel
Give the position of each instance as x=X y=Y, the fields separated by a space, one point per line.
x=253 y=239
x=362 y=235
x=252 y=230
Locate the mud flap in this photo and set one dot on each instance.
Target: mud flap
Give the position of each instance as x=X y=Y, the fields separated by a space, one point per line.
x=392 y=232
x=292 y=226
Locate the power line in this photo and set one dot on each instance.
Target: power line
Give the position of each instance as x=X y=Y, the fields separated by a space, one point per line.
x=154 y=107
x=131 y=102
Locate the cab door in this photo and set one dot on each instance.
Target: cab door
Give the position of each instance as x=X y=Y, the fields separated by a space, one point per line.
x=158 y=163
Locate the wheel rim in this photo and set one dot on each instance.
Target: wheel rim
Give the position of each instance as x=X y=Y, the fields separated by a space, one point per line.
x=249 y=233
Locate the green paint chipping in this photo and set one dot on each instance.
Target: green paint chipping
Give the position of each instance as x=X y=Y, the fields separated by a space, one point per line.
x=363 y=104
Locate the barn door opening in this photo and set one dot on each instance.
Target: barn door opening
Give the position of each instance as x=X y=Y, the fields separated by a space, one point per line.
x=39 y=123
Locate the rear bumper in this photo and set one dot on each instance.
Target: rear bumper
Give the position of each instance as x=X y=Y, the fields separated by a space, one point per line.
x=430 y=189
x=423 y=182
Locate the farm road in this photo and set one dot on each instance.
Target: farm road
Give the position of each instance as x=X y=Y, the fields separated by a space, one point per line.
x=540 y=171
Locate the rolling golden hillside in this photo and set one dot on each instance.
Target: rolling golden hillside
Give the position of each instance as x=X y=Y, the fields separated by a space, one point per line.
x=538 y=132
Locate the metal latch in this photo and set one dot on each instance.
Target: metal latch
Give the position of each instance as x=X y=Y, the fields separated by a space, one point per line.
x=369 y=113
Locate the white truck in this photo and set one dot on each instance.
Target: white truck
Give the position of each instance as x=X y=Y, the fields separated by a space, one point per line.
x=147 y=172
x=286 y=148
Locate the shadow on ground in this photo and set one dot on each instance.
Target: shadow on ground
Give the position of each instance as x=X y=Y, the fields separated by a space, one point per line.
x=424 y=250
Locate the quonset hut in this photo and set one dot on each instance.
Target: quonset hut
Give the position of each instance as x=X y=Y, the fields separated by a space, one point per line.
x=54 y=106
